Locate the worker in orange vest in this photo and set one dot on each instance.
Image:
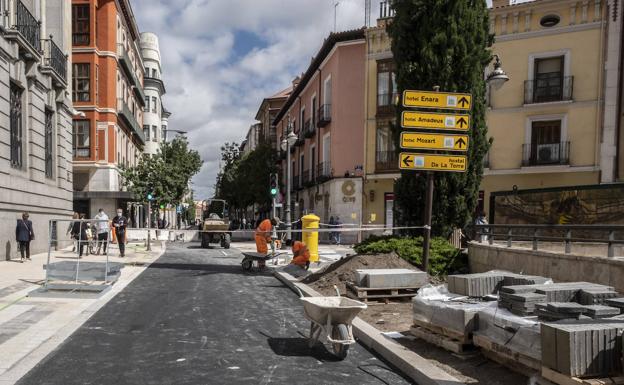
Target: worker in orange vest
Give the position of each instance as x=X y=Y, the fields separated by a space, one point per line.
x=263 y=237
x=301 y=254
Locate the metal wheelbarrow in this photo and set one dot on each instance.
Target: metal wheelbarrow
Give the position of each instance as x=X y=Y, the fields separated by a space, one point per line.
x=251 y=257
x=332 y=317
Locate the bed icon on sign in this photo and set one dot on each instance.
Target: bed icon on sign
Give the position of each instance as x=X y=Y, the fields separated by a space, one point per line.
x=451 y=101
x=449 y=121
x=419 y=161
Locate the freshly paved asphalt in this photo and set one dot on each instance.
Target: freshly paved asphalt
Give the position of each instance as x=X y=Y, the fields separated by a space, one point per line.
x=194 y=317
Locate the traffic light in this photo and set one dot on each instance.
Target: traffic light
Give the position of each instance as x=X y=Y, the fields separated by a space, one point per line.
x=274 y=185
x=150 y=193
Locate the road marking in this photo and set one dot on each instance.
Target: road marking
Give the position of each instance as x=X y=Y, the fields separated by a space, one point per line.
x=181 y=359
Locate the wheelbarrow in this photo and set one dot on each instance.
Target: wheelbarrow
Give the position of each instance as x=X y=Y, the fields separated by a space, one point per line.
x=250 y=257
x=332 y=317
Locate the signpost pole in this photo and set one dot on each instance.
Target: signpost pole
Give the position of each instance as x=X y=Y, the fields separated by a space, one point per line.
x=428 y=209
x=149 y=224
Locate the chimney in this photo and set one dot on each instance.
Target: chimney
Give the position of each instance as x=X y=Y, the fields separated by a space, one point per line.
x=500 y=3
x=295 y=82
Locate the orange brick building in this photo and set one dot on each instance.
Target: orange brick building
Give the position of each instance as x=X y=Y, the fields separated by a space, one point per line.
x=107 y=87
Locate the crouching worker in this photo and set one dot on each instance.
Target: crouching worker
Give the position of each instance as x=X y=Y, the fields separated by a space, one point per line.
x=301 y=255
x=263 y=237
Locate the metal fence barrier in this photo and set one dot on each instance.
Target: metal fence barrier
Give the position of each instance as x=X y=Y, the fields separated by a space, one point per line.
x=609 y=235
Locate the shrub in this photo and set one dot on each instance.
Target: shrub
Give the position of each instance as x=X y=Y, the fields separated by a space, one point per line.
x=443 y=257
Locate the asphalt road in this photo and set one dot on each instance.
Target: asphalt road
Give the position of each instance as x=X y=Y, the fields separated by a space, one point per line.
x=194 y=317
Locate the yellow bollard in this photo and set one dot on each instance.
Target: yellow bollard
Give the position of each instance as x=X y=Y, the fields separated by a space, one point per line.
x=310 y=238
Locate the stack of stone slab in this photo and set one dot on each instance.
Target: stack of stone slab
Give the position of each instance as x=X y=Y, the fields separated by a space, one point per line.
x=522 y=304
x=390 y=278
x=583 y=349
x=595 y=296
x=483 y=284
x=616 y=302
x=554 y=311
x=456 y=316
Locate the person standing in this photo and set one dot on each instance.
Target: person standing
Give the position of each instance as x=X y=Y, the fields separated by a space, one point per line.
x=120 y=223
x=24 y=234
x=338 y=226
x=79 y=233
x=102 y=227
x=70 y=230
x=263 y=236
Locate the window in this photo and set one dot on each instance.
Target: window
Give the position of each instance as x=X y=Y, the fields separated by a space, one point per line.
x=154 y=104
x=82 y=132
x=154 y=73
x=80 y=24
x=327 y=91
x=146 y=131
x=81 y=84
x=313 y=117
x=549 y=21
x=548 y=79
x=546 y=146
x=163 y=132
x=49 y=130
x=16 y=125
x=154 y=137
x=385 y=154
x=147 y=104
x=97 y=84
x=386 y=83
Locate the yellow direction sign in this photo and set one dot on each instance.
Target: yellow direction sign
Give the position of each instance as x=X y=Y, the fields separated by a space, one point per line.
x=419 y=140
x=415 y=119
x=429 y=99
x=453 y=163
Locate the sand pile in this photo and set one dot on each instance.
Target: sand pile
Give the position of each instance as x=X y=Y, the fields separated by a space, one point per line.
x=343 y=271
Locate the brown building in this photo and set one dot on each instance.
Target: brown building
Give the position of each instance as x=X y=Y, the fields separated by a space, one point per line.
x=108 y=89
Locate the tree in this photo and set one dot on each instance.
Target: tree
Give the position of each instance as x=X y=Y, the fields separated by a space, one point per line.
x=443 y=43
x=244 y=180
x=167 y=173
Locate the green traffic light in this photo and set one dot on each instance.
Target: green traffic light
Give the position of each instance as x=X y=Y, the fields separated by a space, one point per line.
x=273 y=191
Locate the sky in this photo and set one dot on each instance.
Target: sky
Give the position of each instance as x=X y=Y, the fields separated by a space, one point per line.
x=220 y=58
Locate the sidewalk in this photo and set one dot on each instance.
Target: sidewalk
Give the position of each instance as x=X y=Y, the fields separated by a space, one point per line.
x=31 y=327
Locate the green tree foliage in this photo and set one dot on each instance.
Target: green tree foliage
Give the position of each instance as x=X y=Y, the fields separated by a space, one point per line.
x=168 y=172
x=244 y=180
x=443 y=43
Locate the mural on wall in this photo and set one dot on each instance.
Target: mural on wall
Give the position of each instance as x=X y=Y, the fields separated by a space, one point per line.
x=586 y=205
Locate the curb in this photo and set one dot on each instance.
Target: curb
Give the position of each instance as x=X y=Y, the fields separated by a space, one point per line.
x=411 y=364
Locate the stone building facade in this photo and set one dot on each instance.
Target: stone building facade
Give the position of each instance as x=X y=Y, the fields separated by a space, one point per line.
x=35 y=118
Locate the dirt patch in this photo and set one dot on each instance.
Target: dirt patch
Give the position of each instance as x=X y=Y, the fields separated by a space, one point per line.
x=391 y=317
x=343 y=271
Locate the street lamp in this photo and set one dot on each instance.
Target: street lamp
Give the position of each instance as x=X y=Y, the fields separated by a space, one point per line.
x=290 y=140
x=498 y=77
x=181 y=132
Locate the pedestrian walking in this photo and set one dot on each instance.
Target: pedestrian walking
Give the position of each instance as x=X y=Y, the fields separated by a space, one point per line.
x=79 y=233
x=24 y=234
x=482 y=220
x=338 y=226
x=102 y=227
x=120 y=223
x=69 y=230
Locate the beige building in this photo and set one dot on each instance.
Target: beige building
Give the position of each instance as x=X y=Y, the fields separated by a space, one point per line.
x=556 y=122
x=381 y=163
x=549 y=122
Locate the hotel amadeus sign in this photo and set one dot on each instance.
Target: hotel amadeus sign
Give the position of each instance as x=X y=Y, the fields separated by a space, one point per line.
x=423 y=133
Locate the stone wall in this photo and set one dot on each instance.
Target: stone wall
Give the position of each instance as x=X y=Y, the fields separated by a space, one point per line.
x=560 y=267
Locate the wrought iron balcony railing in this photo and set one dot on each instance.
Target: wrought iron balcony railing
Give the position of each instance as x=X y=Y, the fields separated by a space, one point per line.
x=27 y=25
x=386 y=161
x=548 y=88
x=324 y=171
x=129 y=119
x=308 y=129
x=542 y=154
x=56 y=59
x=324 y=115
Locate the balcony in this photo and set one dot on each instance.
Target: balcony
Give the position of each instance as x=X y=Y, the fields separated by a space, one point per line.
x=386 y=104
x=130 y=121
x=56 y=61
x=308 y=129
x=324 y=172
x=22 y=26
x=296 y=183
x=548 y=89
x=155 y=82
x=545 y=154
x=324 y=115
x=126 y=65
x=386 y=161
x=300 y=138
